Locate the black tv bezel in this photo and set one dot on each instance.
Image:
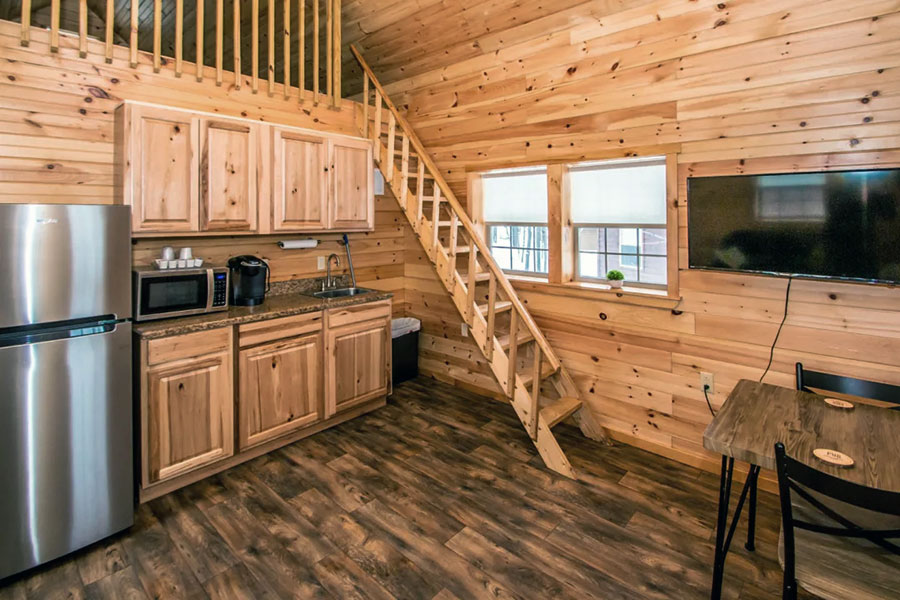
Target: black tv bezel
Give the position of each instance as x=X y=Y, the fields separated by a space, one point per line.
x=809 y=276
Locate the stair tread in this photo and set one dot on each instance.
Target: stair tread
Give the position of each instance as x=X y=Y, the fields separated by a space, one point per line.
x=522 y=337
x=560 y=410
x=480 y=276
x=499 y=307
x=546 y=371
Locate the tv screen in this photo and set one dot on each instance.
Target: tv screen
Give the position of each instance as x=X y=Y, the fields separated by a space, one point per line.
x=843 y=225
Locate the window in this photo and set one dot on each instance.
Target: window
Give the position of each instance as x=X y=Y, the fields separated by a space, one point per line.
x=619 y=213
x=515 y=213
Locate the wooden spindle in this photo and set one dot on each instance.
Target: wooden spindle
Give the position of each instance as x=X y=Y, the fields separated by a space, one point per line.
x=237 y=44
x=365 y=105
x=329 y=40
x=54 y=24
x=535 y=391
x=301 y=51
x=513 y=351
x=470 y=287
x=454 y=239
x=286 y=46
x=492 y=315
x=254 y=46
x=26 y=22
x=270 y=38
x=404 y=171
x=220 y=43
x=179 y=37
x=420 y=192
x=110 y=32
x=200 y=25
x=82 y=28
x=133 y=34
x=157 y=35
x=391 y=144
x=436 y=218
x=315 y=44
x=376 y=127
x=336 y=76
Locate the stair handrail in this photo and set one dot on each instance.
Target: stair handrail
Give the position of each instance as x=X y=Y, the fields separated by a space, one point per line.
x=461 y=214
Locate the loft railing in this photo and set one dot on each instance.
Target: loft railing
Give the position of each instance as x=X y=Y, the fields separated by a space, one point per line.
x=297 y=45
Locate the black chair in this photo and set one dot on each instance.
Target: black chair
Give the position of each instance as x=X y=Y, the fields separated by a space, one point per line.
x=807 y=379
x=836 y=536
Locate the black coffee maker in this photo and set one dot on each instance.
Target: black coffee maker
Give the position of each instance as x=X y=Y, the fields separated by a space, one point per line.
x=249 y=280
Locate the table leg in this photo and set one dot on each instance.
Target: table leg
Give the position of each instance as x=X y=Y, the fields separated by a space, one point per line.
x=721 y=524
x=751 y=518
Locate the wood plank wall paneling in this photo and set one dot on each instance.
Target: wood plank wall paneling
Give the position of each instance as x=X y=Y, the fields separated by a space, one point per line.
x=56 y=145
x=734 y=86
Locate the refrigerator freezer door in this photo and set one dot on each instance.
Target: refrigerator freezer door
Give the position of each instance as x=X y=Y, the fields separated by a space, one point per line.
x=60 y=262
x=66 y=467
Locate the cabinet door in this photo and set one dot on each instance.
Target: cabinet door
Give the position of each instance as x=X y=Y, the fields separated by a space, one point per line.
x=356 y=364
x=162 y=155
x=352 y=185
x=301 y=182
x=228 y=175
x=190 y=412
x=280 y=388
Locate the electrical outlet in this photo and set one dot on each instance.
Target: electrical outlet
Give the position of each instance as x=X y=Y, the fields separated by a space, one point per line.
x=707 y=379
x=465 y=330
x=320 y=263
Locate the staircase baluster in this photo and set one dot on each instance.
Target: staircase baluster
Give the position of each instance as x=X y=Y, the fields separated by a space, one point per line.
x=513 y=351
x=132 y=35
x=376 y=126
x=473 y=265
x=110 y=32
x=26 y=22
x=199 y=35
x=157 y=34
x=365 y=104
x=436 y=219
x=535 y=391
x=236 y=35
x=179 y=37
x=254 y=47
x=420 y=194
x=220 y=16
x=391 y=144
x=492 y=314
x=451 y=264
x=82 y=28
x=404 y=171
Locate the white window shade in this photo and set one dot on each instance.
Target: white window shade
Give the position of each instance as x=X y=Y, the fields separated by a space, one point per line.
x=515 y=197
x=632 y=192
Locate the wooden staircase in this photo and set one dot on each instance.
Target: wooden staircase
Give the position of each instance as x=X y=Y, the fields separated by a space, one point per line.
x=526 y=368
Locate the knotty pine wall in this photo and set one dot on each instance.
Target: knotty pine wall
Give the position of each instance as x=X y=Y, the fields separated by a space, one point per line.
x=732 y=86
x=56 y=145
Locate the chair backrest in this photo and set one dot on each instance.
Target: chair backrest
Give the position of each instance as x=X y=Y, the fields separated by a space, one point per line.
x=816 y=488
x=884 y=392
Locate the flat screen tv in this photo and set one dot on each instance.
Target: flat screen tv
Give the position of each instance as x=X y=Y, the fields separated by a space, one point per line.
x=841 y=225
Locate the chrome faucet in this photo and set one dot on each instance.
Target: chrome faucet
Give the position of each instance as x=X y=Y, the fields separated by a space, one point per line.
x=329 y=280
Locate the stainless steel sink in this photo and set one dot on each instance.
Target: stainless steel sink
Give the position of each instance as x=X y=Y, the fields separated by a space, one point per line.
x=342 y=292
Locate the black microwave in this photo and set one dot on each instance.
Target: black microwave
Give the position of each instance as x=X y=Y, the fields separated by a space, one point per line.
x=159 y=294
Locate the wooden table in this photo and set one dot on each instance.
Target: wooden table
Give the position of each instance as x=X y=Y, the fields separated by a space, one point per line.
x=757 y=415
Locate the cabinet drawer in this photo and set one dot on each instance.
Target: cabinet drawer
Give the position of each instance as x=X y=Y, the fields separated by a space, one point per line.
x=189 y=345
x=276 y=329
x=357 y=314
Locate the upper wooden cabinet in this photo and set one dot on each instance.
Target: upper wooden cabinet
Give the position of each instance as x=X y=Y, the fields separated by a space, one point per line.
x=228 y=175
x=192 y=173
x=300 y=186
x=157 y=161
x=352 y=177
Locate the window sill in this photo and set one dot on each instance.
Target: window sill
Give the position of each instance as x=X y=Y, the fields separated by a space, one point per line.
x=655 y=298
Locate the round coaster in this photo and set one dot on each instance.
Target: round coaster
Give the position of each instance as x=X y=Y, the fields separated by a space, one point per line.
x=833 y=457
x=839 y=403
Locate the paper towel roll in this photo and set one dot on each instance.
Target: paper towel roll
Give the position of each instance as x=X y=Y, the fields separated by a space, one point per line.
x=297 y=244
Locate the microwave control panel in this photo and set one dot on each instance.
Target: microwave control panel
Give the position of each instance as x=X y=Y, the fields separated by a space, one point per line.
x=220 y=288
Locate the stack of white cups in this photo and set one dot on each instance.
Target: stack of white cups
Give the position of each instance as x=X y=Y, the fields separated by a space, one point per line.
x=185 y=259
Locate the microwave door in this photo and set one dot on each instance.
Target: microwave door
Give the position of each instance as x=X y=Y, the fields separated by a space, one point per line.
x=173 y=295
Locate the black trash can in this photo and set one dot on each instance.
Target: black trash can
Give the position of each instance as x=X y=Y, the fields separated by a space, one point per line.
x=405 y=348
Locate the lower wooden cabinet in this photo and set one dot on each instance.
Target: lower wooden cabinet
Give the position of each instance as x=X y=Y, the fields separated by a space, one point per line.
x=357 y=355
x=187 y=412
x=294 y=375
x=280 y=381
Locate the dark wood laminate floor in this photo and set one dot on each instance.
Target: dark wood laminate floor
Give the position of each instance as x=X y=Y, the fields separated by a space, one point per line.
x=438 y=495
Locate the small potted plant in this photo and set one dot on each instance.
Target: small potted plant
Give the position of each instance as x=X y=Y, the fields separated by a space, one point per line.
x=615 y=279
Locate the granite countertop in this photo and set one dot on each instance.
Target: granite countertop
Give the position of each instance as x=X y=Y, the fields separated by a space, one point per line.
x=285 y=299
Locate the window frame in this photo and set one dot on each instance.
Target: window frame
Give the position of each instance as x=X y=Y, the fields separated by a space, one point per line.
x=643 y=284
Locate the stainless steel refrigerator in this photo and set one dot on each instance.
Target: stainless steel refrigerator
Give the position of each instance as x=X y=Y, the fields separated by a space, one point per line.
x=66 y=467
